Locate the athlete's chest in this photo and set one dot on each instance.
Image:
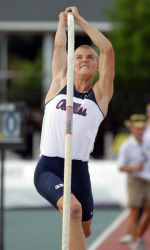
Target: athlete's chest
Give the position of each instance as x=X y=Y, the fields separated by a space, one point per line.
x=80 y=106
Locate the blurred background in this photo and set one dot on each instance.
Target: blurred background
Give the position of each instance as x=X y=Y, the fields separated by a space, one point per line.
x=27 y=31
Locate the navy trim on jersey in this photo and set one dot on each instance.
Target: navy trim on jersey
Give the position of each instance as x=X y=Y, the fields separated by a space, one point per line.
x=87 y=95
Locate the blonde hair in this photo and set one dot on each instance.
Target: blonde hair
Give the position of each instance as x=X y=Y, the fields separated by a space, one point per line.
x=85 y=46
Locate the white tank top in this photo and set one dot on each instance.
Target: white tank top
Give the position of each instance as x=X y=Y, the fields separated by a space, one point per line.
x=87 y=117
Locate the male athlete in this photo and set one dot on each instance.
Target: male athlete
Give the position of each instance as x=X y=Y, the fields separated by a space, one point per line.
x=90 y=106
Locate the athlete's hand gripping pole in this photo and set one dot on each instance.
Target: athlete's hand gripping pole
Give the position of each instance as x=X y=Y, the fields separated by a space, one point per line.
x=68 y=136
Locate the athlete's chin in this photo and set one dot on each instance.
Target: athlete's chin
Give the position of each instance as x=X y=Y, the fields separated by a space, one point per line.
x=85 y=72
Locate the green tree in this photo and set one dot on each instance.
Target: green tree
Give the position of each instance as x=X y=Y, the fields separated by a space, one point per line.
x=25 y=83
x=131 y=41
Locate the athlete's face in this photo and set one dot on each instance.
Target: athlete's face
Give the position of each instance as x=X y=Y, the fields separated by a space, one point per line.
x=85 y=61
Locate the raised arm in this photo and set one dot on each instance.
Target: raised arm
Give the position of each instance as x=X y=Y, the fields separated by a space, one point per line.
x=59 y=62
x=103 y=89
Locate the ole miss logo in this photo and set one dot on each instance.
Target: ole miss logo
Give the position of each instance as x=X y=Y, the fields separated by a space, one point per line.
x=77 y=107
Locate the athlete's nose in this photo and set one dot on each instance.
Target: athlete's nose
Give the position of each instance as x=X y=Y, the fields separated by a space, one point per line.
x=84 y=59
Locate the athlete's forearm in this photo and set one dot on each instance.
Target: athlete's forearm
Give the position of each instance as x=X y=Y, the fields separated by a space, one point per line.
x=60 y=37
x=95 y=35
x=59 y=62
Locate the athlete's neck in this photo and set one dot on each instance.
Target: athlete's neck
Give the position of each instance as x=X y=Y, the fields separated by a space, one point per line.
x=82 y=85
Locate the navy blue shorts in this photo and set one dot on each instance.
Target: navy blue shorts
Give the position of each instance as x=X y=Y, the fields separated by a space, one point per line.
x=49 y=180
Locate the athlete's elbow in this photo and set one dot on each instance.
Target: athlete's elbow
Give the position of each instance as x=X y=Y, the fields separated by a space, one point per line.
x=108 y=50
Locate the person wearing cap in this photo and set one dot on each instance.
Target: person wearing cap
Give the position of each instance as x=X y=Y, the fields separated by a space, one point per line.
x=147 y=128
x=134 y=159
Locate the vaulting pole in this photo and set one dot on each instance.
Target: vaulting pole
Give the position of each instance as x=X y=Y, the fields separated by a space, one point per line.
x=68 y=136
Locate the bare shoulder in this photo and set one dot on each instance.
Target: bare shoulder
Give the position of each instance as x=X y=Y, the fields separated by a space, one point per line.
x=56 y=86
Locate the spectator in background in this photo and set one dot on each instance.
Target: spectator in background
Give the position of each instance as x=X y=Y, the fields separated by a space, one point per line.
x=147 y=128
x=134 y=159
x=146 y=137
